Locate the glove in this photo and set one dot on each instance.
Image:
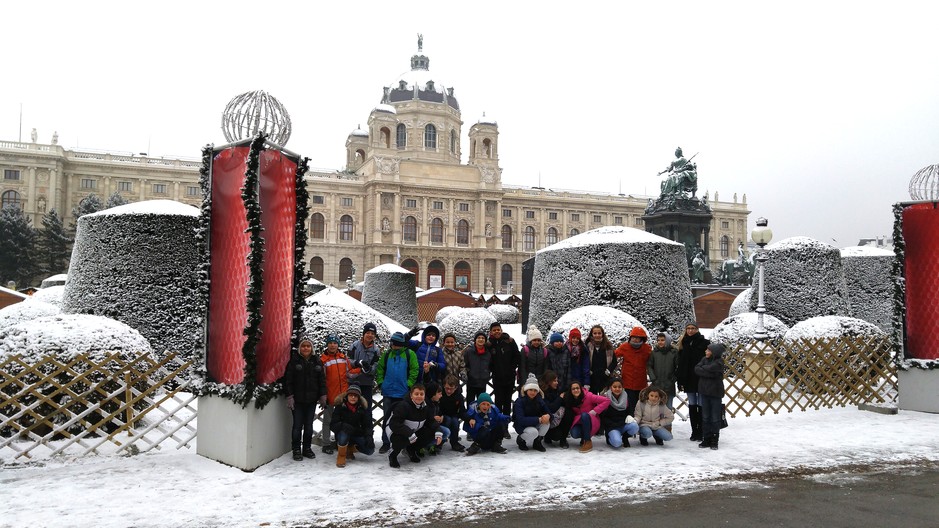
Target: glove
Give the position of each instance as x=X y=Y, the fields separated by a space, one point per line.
x=291 y=402
x=357 y=364
x=630 y=419
x=463 y=377
x=413 y=332
x=607 y=372
x=412 y=438
x=323 y=401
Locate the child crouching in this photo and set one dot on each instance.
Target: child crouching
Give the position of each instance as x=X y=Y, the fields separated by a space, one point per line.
x=453 y=406
x=352 y=424
x=486 y=425
x=531 y=416
x=653 y=416
x=411 y=426
x=616 y=420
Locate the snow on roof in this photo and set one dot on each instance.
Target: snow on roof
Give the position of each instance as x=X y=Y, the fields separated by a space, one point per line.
x=797 y=242
x=421 y=293
x=156 y=207
x=388 y=268
x=15 y=293
x=487 y=120
x=865 y=251
x=385 y=108
x=359 y=132
x=609 y=235
x=313 y=281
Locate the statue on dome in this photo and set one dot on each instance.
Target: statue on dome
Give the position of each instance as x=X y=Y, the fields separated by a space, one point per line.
x=420 y=42
x=682 y=177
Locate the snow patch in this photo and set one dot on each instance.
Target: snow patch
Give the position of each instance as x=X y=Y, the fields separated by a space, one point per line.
x=444 y=312
x=609 y=235
x=149 y=207
x=51 y=295
x=865 y=251
x=504 y=313
x=67 y=335
x=832 y=326
x=466 y=322
x=741 y=303
x=26 y=311
x=616 y=323
x=55 y=280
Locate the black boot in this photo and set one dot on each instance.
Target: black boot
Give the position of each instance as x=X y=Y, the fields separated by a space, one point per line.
x=412 y=455
x=297 y=455
x=308 y=452
x=706 y=442
x=522 y=446
x=538 y=445
x=457 y=446
x=473 y=449
x=393 y=459
x=643 y=440
x=694 y=414
x=714 y=441
x=497 y=447
x=563 y=443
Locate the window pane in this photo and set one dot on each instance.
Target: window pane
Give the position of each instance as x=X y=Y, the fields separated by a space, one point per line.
x=318 y=227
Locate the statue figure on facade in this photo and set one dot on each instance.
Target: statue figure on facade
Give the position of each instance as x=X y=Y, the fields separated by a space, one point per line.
x=740 y=258
x=55 y=137
x=698 y=265
x=420 y=42
x=34 y=135
x=682 y=177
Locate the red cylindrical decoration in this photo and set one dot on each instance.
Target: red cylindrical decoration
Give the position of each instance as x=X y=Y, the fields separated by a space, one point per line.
x=921 y=237
x=229 y=246
x=278 y=201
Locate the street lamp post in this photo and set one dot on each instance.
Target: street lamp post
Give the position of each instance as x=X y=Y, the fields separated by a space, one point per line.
x=761 y=235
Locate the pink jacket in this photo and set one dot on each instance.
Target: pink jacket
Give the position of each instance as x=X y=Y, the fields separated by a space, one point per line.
x=592 y=402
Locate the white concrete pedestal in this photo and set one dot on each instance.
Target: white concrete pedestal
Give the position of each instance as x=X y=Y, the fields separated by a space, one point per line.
x=918 y=390
x=246 y=437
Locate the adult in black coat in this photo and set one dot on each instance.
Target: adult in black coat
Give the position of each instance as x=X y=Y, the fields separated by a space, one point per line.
x=710 y=371
x=505 y=361
x=691 y=349
x=305 y=385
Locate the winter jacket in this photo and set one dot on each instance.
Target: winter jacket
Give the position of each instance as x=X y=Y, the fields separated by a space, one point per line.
x=613 y=418
x=634 y=365
x=690 y=353
x=337 y=368
x=408 y=418
x=359 y=354
x=552 y=398
x=304 y=379
x=490 y=419
x=527 y=411
x=580 y=365
x=396 y=372
x=663 y=367
x=532 y=361
x=653 y=416
x=505 y=358
x=559 y=361
x=354 y=422
x=453 y=405
x=602 y=364
x=590 y=402
x=478 y=366
x=710 y=371
x=430 y=353
x=456 y=365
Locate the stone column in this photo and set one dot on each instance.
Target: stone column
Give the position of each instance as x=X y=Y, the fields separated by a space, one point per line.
x=30 y=202
x=479 y=234
x=424 y=238
x=396 y=222
x=376 y=230
x=450 y=240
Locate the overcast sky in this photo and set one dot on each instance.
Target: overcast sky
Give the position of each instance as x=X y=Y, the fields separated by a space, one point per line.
x=820 y=112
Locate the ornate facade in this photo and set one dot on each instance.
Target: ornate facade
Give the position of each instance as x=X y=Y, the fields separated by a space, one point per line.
x=404 y=196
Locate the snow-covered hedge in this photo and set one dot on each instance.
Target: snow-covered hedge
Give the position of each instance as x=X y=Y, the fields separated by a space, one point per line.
x=868 y=274
x=631 y=270
x=390 y=290
x=803 y=278
x=736 y=333
x=444 y=312
x=55 y=280
x=26 y=311
x=504 y=313
x=741 y=303
x=833 y=326
x=137 y=263
x=333 y=297
x=51 y=295
x=616 y=323
x=466 y=322
x=346 y=322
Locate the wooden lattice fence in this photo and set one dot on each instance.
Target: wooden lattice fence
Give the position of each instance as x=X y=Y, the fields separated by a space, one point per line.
x=85 y=404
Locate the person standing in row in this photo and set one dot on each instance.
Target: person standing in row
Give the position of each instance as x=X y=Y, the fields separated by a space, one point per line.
x=602 y=360
x=533 y=359
x=635 y=354
x=396 y=374
x=559 y=361
x=580 y=358
x=453 y=357
x=305 y=384
x=429 y=356
x=364 y=354
x=663 y=367
x=478 y=359
x=691 y=349
x=337 y=367
x=710 y=371
x=505 y=359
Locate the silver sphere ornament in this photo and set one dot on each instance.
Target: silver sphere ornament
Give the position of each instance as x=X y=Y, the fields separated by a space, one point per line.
x=253 y=112
x=924 y=185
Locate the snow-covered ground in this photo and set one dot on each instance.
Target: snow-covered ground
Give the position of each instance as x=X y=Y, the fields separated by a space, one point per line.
x=181 y=488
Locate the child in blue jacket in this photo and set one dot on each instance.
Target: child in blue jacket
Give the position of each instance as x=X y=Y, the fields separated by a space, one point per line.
x=486 y=425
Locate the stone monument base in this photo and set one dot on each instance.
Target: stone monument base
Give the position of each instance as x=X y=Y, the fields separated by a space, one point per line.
x=243 y=437
x=918 y=390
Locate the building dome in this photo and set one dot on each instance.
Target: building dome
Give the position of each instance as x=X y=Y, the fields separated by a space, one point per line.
x=358 y=132
x=418 y=83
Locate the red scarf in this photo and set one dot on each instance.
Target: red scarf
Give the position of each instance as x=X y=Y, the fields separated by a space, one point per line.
x=481 y=350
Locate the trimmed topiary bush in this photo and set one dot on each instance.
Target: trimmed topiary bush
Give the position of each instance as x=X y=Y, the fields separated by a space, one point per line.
x=741 y=303
x=833 y=326
x=624 y=268
x=444 y=312
x=504 y=313
x=466 y=322
x=868 y=274
x=389 y=289
x=616 y=323
x=137 y=263
x=736 y=333
x=51 y=295
x=26 y=311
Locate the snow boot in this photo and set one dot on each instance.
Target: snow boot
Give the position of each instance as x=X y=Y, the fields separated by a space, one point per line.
x=714 y=440
x=297 y=455
x=412 y=455
x=457 y=446
x=341 y=456
x=659 y=441
x=350 y=452
x=384 y=449
x=473 y=449
x=625 y=441
x=498 y=449
x=329 y=448
x=706 y=442
x=308 y=452
x=563 y=444
x=538 y=444
x=694 y=414
x=393 y=459
x=522 y=446
x=643 y=440
x=586 y=446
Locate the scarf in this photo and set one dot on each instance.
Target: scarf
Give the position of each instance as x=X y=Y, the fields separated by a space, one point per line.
x=351 y=407
x=481 y=350
x=620 y=403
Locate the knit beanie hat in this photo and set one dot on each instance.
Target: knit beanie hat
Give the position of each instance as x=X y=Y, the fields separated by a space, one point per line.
x=369 y=327
x=575 y=332
x=534 y=333
x=398 y=338
x=332 y=339
x=532 y=383
x=556 y=337
x=483 y=397
x=354 y=389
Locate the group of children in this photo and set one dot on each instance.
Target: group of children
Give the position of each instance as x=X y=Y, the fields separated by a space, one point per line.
x=422 y=386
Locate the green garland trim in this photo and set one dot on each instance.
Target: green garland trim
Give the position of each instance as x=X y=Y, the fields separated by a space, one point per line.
x=300 y=238
x=202 y=273
x=899 y=285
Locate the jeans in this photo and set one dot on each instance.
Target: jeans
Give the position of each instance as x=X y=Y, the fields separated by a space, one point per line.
x=303 y=414
x=453 y=424
x=660 y=434
x=711 y=414
x=583 y=429
x=693 y=398
x=615 y=435
x=364 y=444
x=388 y=405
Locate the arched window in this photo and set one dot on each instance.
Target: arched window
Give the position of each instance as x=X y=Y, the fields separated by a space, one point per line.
x=436 y=274
x=410 y=229
x=552 y=237
x=345 y=228
x=430 y=136
x=436 y=231
x=317 y=227
x=529 y=239
x=316 y=268
x=385 y=137
x=401 y=136
x=11 y=199
x=506 y=237
x=506 y=275
x=462 y=273
x=452 y=141
x=462 y=233
x=574 y=232
x=725 y=246
x=411 y=266
x=345 y=269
